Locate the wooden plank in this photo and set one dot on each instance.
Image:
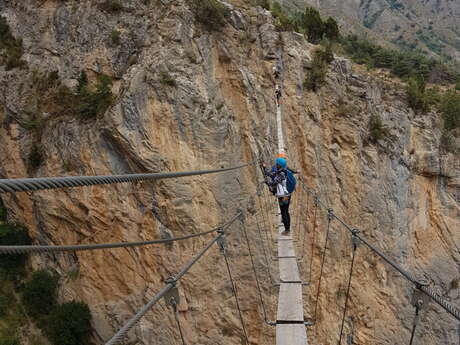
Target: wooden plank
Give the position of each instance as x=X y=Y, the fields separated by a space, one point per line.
x=291 y=334
x=286 y=248
x=283 y=238
x=289 y=272
x=290 y=306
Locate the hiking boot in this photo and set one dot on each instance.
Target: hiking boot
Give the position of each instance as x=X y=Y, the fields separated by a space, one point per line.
x=285 y=233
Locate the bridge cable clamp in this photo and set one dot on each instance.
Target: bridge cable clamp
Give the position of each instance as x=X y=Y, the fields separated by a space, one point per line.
x=222 y=242
x=241 y=215
x=419 y=298
x=172 y=297
x=355 y=240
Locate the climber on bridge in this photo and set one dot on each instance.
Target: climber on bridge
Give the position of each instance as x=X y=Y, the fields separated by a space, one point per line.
x=281 y=182
x=278 y=93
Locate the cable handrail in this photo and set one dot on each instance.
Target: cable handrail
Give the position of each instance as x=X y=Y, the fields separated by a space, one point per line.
x=170 y=284
x=43 y=183
x=23 y=249
x=447 y=306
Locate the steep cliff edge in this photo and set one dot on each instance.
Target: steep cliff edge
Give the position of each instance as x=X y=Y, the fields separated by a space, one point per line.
x=189 y=99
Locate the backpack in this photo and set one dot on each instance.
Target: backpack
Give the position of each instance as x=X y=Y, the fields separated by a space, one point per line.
x=290 y=181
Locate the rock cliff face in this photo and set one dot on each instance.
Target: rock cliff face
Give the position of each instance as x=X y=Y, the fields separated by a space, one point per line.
x=431 y=26
x=187 y=99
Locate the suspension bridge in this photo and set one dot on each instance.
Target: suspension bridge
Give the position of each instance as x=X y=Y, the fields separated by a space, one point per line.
x=290 y=322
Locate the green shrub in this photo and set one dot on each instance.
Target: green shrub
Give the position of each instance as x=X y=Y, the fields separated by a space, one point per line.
x=112 y=6
x=326 y=54
x=82 y=81
x=457 y=85
x=167 y=79
x=313 y=25
x=9 y=340
x=115 y=37
x=3 y=213
x=262 y=3
x=448 y=142
x=401 y=64
x=282 y=21
x=331 y=29
x=11 y=46
x=94 y=103
x=450 y=109
x=69 y=324
x=317 y=75
x=12 y=266
x=210 y=13
x=39 y=295
x=417 y=96
x=377 y=131
x=35 y=157
x=6 y=299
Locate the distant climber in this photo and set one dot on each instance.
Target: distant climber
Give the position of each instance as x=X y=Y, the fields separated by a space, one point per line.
x=281 y=182
x=278 y=93
x=276 y=72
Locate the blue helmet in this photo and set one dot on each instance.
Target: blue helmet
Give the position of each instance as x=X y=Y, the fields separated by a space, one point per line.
x=281 y=162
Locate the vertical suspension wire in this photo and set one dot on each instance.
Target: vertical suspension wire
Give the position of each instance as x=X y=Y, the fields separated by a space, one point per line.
x=270 y=226
x=262 y=242
x=298 y=216
x=355 y=245
x=235 y=295
x=418 y=306
x=298 y=226
x=267 y=263
x=305 y=230
x=254 y=270
x=263 y=211
x=323 y=259
x=313 y=241
x=176 y=316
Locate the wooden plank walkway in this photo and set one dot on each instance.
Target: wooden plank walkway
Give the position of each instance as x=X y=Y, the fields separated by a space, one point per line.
x=291 y=334
x=292 y=308
x=290 y=329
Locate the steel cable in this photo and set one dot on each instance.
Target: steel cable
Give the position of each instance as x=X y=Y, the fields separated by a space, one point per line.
x=313 y=242
x=176 y=316
x=170 y=284
x=354 y=244
x=268 y=228
x=298 y=216
x=42 y=183
x=414 y=325
x=306 y=227
x=255 y=272
x=323 y=259
x=447 y=306
x=235 y=294
x=13 y=249
x=263 y=211
x=262 y=242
